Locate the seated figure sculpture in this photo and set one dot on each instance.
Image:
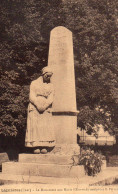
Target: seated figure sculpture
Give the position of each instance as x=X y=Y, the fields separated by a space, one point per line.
x=40 y=130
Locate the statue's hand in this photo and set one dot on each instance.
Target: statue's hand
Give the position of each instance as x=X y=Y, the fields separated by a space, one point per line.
x=40 y=110
x=50 y=98
x=49 y=110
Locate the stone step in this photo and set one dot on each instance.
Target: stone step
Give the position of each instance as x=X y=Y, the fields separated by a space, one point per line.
x=113 y=162
x=16 y=179
x=46 y=158
x=105 y=177
x=3 y=158
x=46 y=170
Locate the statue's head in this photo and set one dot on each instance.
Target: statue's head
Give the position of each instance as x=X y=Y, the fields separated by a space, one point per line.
x=47 y=74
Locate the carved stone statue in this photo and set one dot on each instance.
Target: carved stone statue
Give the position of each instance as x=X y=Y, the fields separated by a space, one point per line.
x=40 y=130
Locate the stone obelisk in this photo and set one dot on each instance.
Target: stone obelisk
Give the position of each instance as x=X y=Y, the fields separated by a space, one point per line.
x=61 y=60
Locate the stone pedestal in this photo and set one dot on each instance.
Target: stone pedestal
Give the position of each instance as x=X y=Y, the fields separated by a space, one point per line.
x=42 y=168
x=61 y=61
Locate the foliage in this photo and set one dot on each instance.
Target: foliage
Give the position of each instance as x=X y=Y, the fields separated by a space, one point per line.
x=24 y=36
x=92 y=161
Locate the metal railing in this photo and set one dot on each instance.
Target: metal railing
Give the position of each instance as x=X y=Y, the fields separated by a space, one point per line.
x=101 y=140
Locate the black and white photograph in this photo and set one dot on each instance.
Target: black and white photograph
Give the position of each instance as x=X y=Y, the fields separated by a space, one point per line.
x=59 y=96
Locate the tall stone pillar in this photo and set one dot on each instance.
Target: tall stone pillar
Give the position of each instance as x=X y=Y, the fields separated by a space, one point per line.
x=61 y=61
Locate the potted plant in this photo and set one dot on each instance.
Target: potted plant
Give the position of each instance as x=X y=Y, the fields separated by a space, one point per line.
x=92 y=161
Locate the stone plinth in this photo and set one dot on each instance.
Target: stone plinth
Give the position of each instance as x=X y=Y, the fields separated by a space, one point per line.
x=46 y=158
x=65 y=126
x=44 y=170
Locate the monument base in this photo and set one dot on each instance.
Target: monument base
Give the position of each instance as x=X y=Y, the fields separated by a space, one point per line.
x=59 y=159
x=44 y=170
x=47 y=166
